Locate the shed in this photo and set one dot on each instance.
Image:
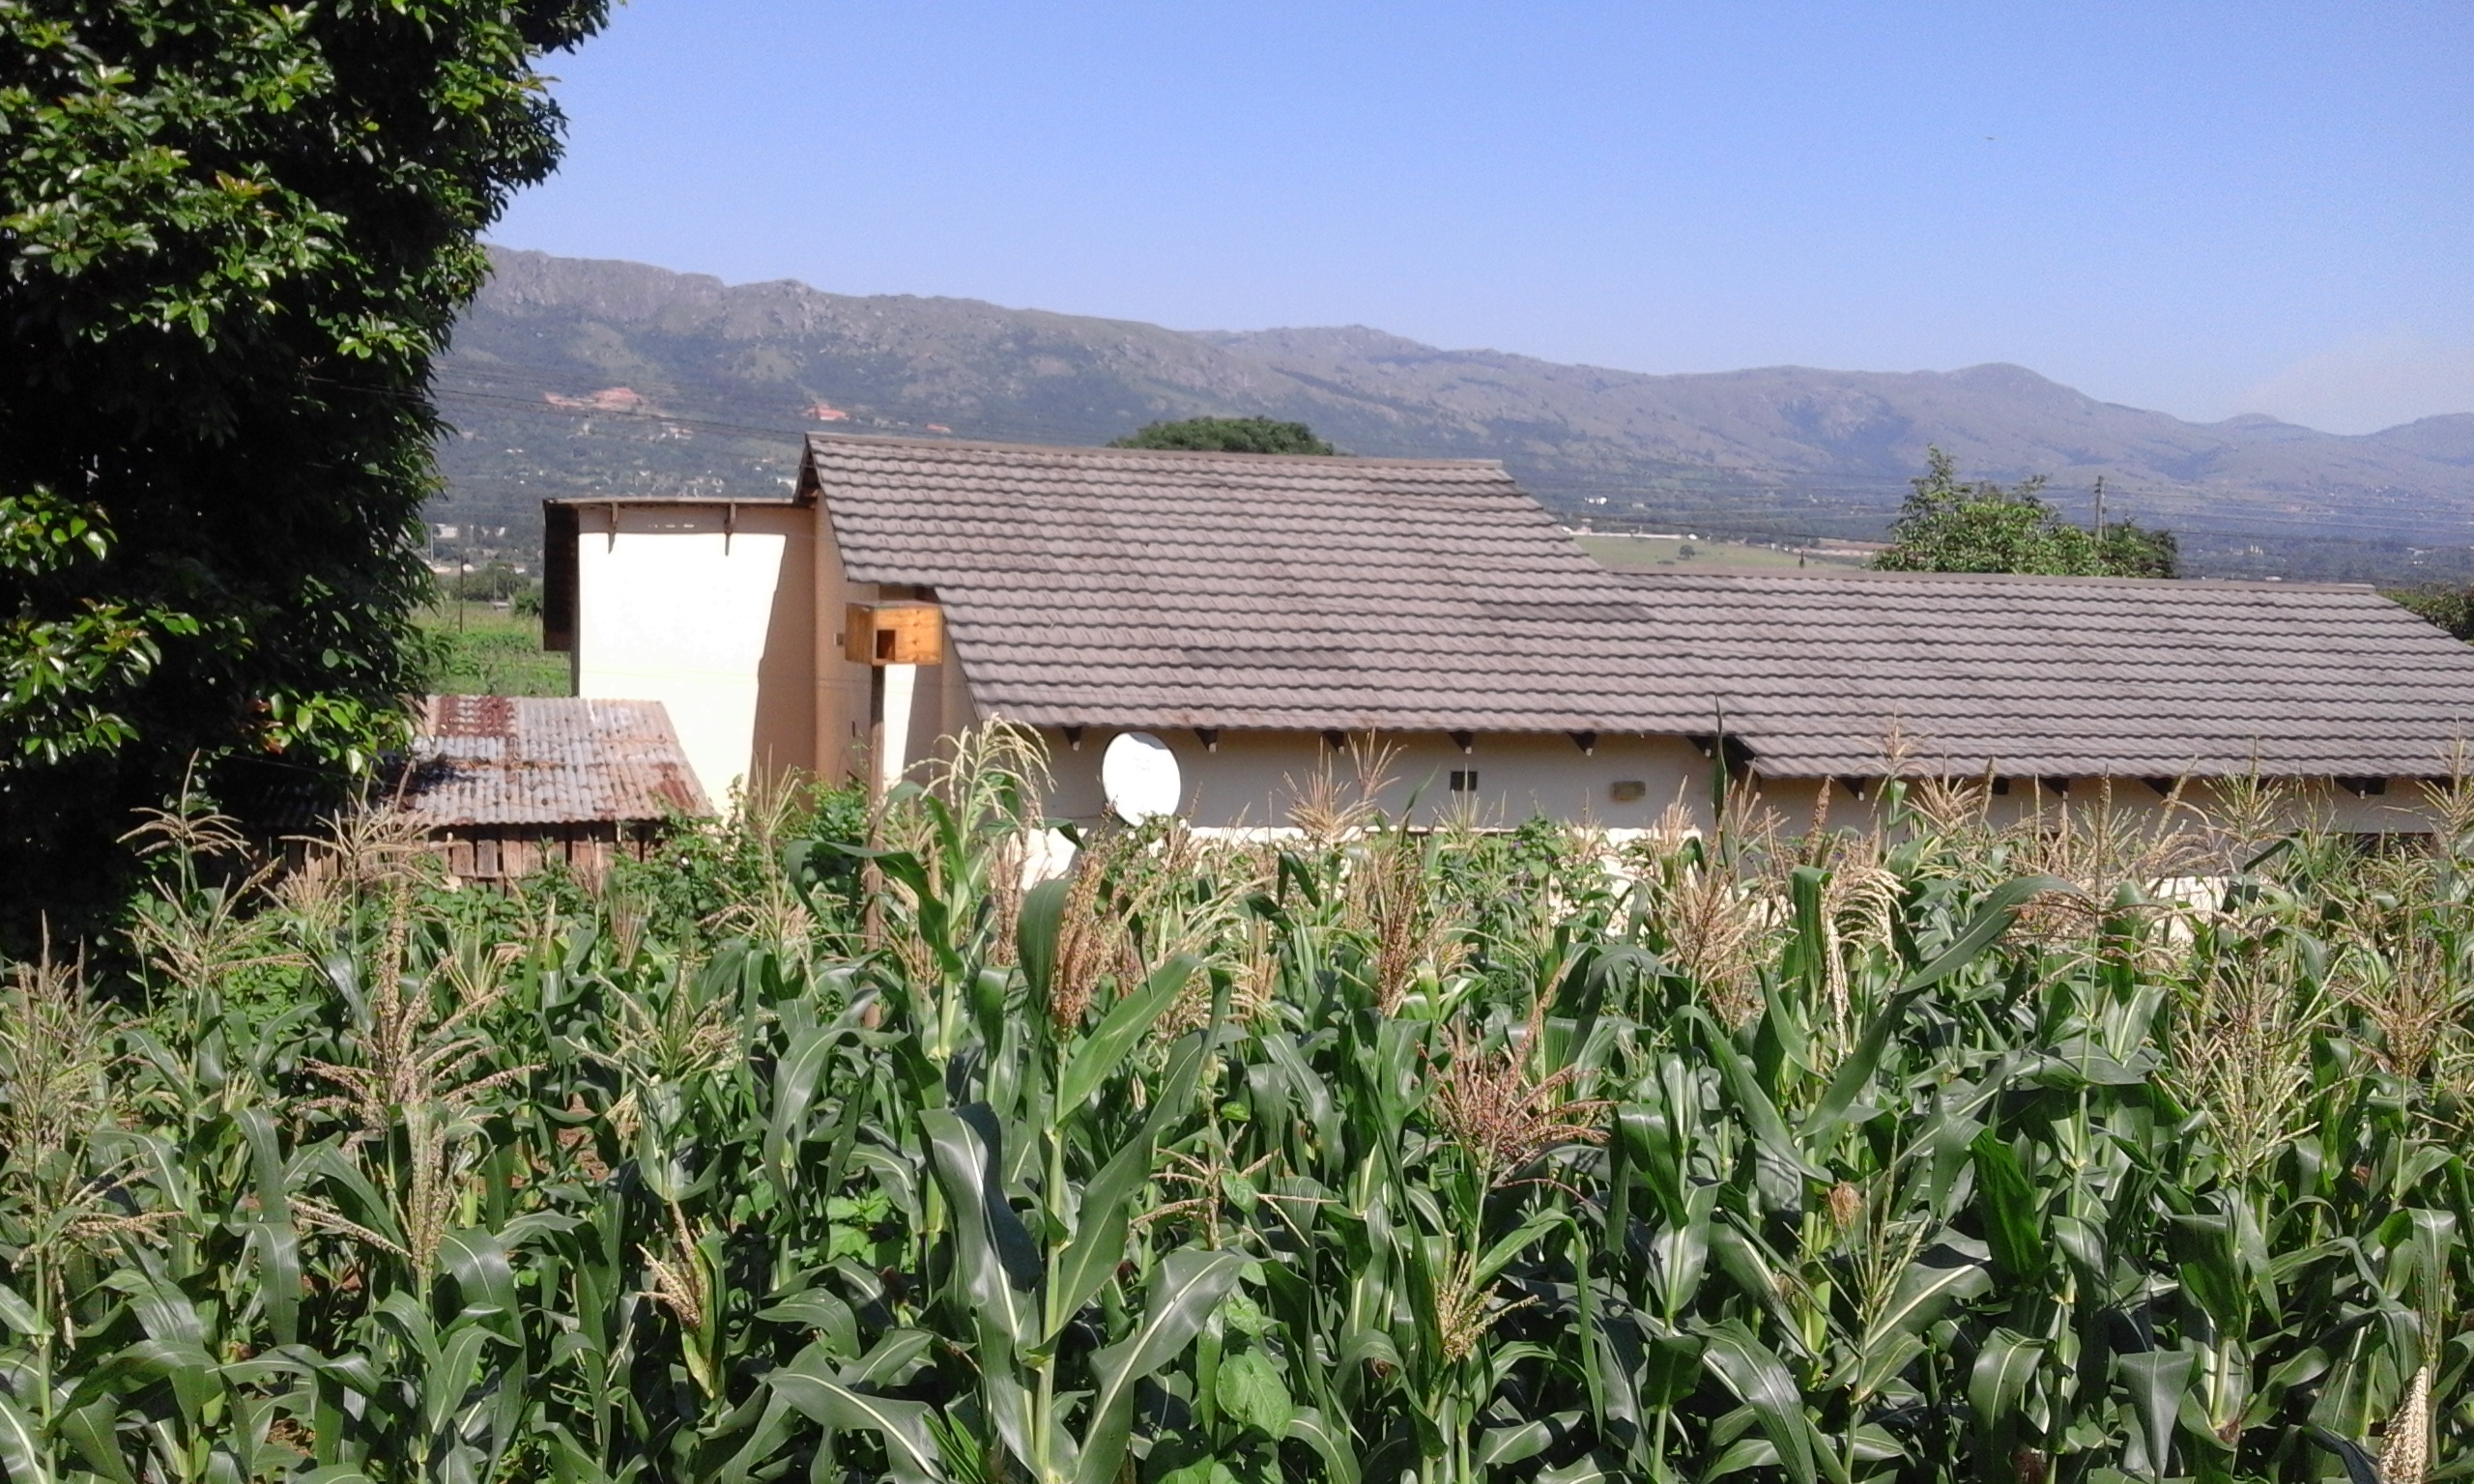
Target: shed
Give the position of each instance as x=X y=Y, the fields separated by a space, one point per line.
x=503 y=784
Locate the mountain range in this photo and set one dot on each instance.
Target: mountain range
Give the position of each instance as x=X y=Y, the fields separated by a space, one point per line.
x=574 y=376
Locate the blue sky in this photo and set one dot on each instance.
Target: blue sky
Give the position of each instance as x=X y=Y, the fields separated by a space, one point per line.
x=2207 y=209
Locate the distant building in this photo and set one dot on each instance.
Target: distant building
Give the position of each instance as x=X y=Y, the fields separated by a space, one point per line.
x=505 y=785
x=1253 y=611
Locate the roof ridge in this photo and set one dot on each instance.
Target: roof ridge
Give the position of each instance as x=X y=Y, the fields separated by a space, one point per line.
x=816 y=437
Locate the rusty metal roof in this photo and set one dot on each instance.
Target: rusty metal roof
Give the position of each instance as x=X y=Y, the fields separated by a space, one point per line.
x=483 y=760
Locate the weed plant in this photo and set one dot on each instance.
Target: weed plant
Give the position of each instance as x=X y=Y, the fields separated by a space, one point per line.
x=1919 y=1151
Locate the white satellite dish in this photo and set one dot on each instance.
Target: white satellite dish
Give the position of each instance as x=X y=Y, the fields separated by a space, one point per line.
x=1139 y=776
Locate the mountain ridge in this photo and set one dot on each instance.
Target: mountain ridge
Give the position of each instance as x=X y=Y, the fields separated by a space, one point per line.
x=734 y=372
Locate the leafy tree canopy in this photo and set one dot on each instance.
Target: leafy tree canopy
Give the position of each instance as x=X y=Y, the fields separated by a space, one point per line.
x=1228 y=435
x=2450 y=607
x=232 y=236
x=1950 y=524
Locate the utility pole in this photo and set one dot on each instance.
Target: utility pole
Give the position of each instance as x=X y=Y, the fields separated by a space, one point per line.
x=2100 y=512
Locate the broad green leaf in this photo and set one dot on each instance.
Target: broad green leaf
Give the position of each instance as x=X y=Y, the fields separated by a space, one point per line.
x=1924 y=1291
x=1187 y=1286
x=999 y=1265
x=1251 y=1392
x=1332 y=1445
x=21 y=1447
x=1035 y=931
x=794 y=1083
x=2156 y=1380
x=1098 y=1244
x=19 y=1315
x=1500 y=1447
x=2009 y=1207
x=911 y=1453
x=1117 y=1033
x=1992 y=919
x=1758 y=1379
x=482 y=1273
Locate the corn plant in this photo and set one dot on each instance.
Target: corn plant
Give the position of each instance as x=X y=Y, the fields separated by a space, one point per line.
x=1913 y=1150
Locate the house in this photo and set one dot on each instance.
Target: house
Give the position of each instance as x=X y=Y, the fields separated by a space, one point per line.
x=1251 y=612
x=503 y=784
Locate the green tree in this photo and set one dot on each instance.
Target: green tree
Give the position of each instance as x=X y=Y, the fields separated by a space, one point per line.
x=1951 y=524
x=1228 y=435
x=232 y=236
x=2450 y=607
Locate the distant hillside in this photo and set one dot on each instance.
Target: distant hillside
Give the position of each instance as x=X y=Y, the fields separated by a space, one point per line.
x=576 y=376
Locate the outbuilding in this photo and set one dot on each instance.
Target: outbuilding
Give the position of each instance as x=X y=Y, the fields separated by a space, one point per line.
x=1250 y=615
x=502 y=786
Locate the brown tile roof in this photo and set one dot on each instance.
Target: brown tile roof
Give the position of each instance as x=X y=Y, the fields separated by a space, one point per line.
x=2070 y=676
x=488 y=760
x=1140 y=588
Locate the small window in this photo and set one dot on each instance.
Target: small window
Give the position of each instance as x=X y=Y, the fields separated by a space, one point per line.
x=1629 y=790
x=1464 y=780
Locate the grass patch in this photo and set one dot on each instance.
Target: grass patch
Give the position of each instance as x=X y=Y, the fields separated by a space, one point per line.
x=485 y=649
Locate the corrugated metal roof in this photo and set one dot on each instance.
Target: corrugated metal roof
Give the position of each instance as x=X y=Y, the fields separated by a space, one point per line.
x=1165 y=589
x=485 y=761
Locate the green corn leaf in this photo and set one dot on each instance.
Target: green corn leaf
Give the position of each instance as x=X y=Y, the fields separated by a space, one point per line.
x=19 y=1315
x=1332 y=1445
x=92 y=1430
x=1117 y=1033
x=1775 y=1146
x=911 y=1453
x=1035 y=928
x=483 y=1275
x=266 y=1164
x=999 y=1264
x=1992 y=919
x=2007 y=1206
x=1896 y=1338
x=447 y=1385
x=772 y=1427
x=1098 y=1243
x=1500 y=1447
x=22 y=1446
x=1187 y=1286
x=1589 y=1469
x=1997 y=1382
x=2156 y=1380
x=2360 y=1467
x=277 y=1248
x=891 y=1360
x=836 y=1327
x=1759 y=1381
x=794 y=1083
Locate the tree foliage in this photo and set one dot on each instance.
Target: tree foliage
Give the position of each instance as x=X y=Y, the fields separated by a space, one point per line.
x=232 y=236
x=1951 y=524
x=2450 y=607
x=1228 y=435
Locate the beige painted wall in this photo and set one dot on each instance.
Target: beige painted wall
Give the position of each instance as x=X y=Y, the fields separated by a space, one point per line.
x=711 y=614
x=1251 y=777
x=940 y=702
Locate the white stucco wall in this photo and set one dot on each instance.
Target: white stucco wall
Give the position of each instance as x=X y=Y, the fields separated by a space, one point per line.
x=711 y=612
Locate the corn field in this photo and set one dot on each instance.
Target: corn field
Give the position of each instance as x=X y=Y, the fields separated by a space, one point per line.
x=1913 y=1150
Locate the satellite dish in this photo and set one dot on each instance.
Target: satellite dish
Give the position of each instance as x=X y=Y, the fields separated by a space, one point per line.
x=1139 y=776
